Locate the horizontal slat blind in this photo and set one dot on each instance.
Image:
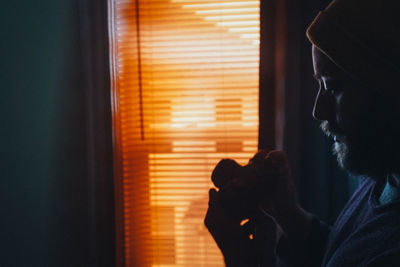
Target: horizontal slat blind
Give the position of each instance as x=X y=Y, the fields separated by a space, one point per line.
x=185 y=95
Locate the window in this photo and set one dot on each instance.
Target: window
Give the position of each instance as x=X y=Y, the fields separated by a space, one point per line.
x=185 y=95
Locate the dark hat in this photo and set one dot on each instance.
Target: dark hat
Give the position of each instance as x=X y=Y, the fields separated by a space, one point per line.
x=363 y=38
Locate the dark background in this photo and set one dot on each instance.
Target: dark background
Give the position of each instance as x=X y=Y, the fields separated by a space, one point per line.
x=56 y=178
x=56 y=198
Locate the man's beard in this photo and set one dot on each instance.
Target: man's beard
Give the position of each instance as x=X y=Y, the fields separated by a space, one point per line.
x=369 y=146
x=340 y=147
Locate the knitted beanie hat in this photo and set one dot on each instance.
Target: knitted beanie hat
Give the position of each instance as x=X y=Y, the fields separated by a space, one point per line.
x=363 y=38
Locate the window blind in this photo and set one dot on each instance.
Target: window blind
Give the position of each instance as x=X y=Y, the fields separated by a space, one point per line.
x=185 y=95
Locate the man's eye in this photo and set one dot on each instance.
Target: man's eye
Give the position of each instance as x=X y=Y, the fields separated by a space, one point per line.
x=333 y=90
x=330 y=89
x=331 y=86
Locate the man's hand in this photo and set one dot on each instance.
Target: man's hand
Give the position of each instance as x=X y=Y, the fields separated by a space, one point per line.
x=264 y=184
x=249 y=243
x=278 y=194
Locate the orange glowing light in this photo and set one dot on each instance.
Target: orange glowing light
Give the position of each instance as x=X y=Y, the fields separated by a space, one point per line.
x=185 y=83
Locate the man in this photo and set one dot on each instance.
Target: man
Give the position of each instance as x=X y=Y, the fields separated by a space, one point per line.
x=356 y=57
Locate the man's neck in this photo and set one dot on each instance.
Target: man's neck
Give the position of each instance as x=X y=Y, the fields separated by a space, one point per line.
x=394 y=180
x=391 y=189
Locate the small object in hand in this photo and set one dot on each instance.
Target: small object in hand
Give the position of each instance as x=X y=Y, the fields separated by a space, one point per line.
x=238 y=186
x=225 y=171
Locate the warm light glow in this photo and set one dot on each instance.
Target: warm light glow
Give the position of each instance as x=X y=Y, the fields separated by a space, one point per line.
x=233 y=17
x=186 y=95
x=217 y=4
x=242 y=29
x=250 y=36
x=238 y=23
x=244 y=222
x=231 y=11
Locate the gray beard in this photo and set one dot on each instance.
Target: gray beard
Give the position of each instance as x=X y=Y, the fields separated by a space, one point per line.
x=371 y=146
x=341 y=151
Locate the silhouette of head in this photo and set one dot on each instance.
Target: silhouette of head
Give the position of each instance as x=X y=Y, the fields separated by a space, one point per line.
x=357 y=62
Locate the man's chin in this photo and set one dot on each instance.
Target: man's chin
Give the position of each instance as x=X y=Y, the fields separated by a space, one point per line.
x=340 y=150
x=354 y=163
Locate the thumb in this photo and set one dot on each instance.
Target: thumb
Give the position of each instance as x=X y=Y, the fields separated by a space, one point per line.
x=265 y=238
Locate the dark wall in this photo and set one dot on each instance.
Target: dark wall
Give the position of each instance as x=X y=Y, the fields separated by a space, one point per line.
x=45 y=139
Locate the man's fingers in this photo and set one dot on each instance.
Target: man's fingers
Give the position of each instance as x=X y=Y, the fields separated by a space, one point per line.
x=275 y=165
x=277 y=157
x=212 y=197
x=259 y=156
x=214 y=210
x=265 y=231
x=273 y=156
x=248 y=227
x=273 y=162
x=225 y=229
x=264 y=223
x=217 y=216
x=218 y=211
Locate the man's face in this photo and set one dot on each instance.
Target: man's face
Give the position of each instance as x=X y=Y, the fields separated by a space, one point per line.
x=355 y=118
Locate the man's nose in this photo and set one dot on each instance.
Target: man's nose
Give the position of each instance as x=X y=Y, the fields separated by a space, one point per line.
x=324 y=106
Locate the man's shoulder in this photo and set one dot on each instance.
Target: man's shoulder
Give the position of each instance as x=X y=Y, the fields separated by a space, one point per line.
x=374 y=240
